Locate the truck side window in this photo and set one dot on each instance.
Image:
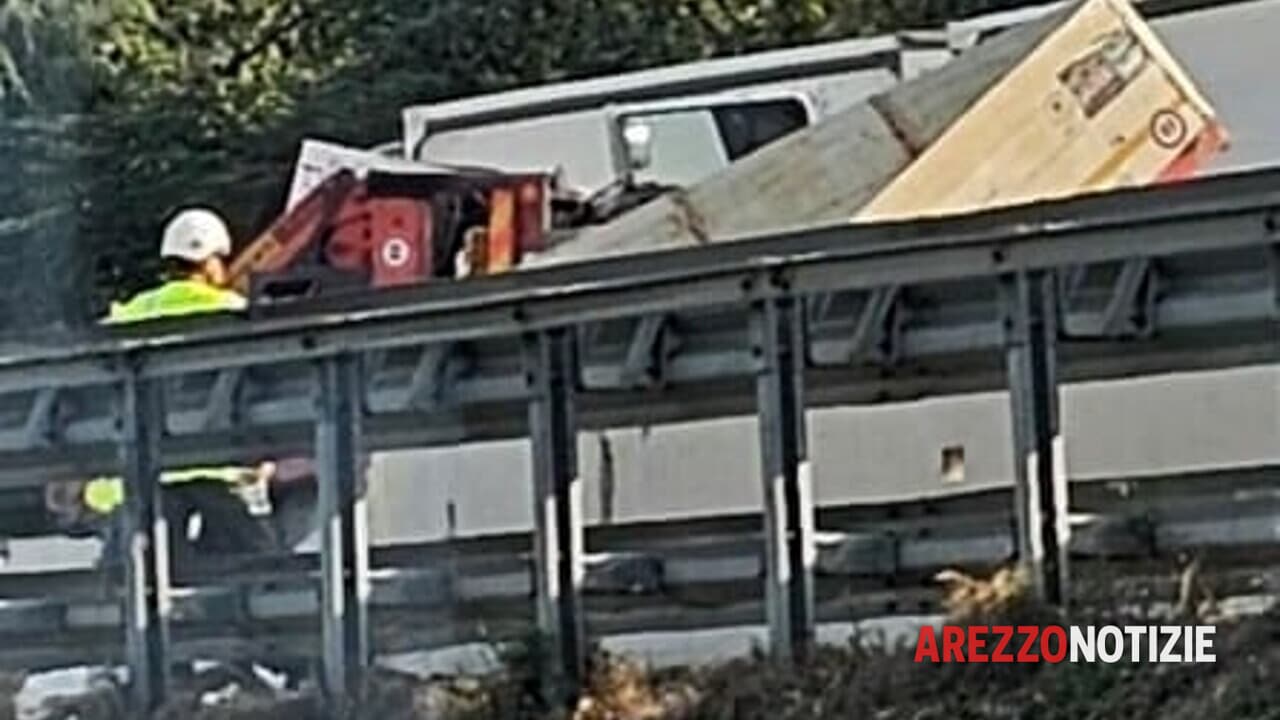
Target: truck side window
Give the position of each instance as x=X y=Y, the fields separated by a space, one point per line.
x=683 y=146
x=745 y=127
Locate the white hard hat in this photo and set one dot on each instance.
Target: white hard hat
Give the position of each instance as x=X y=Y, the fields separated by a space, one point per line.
x=196 y=235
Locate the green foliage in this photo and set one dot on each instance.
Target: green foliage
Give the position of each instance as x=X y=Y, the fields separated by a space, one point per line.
x=46 y=55
x=113 y=113
x=238 y=64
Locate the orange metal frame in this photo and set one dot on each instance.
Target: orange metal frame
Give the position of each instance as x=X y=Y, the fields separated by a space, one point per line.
x=392 y=237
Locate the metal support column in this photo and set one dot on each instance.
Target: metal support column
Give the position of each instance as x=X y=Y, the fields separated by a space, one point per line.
x=144 y=540
x=1041 y=494
x=344 y=545
x=778 y=343
x=558 y=537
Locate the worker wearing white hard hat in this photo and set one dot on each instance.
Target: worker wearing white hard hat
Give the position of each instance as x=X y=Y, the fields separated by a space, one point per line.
x=194 y=247
x=229 y=502
x=208 y=510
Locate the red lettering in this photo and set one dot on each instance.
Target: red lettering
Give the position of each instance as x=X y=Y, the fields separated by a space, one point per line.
x=1000 y=654
x=1055 y=631
x=976 y=643
x=1031 y=632
x=952 y=643
x=927 y=645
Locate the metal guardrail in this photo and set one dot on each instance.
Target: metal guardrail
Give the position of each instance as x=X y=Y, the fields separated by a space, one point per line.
x=1112 y=285
x=894 y=311
x=871 y=560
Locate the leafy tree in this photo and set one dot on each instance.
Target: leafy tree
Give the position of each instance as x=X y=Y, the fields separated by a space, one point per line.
x=45 y=55
x=235 y=64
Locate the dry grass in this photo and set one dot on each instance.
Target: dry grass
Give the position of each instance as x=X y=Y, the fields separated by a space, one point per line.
x=620 y=689
x=970 y=598
x=856 y=680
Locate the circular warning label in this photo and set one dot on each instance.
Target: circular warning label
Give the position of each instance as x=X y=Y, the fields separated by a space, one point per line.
x=395 y=252
x=1168 y=129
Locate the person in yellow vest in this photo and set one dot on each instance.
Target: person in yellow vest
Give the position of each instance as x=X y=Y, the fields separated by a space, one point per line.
x=194 y=249
x=208 y=509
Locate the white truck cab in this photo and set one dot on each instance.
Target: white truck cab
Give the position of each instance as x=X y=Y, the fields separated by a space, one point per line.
x=669 y=126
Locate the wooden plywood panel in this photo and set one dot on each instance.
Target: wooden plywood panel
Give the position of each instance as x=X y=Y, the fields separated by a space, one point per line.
x=1095 y=106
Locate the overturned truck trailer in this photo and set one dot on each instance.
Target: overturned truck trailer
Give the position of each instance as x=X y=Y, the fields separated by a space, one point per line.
x=1084 y=99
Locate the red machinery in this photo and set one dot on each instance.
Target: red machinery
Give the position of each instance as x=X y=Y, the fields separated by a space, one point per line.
x=390 y=228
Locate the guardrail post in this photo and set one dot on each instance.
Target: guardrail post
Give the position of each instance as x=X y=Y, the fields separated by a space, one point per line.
x=344 y=547
x=144 y=540
x=558 y=536
x=1040 y=493
x=778 y=344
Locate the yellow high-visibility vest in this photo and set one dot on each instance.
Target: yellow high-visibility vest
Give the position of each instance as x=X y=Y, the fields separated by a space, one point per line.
x=105 y=494
x=173 y=299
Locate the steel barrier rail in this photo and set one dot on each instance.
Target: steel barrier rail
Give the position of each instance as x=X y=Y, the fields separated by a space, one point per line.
x=1086 y=494
x=293 y=642
x=1215 y=214
x=895 y=311
x=696 y=574
x=1131 y=496
x=1110 y=285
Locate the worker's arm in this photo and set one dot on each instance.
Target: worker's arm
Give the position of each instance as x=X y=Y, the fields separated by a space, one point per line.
x=304 y=469
x=234 y=301
x=288 y=470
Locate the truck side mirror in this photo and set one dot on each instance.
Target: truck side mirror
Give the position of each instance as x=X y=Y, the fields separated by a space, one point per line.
x=637 y=137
